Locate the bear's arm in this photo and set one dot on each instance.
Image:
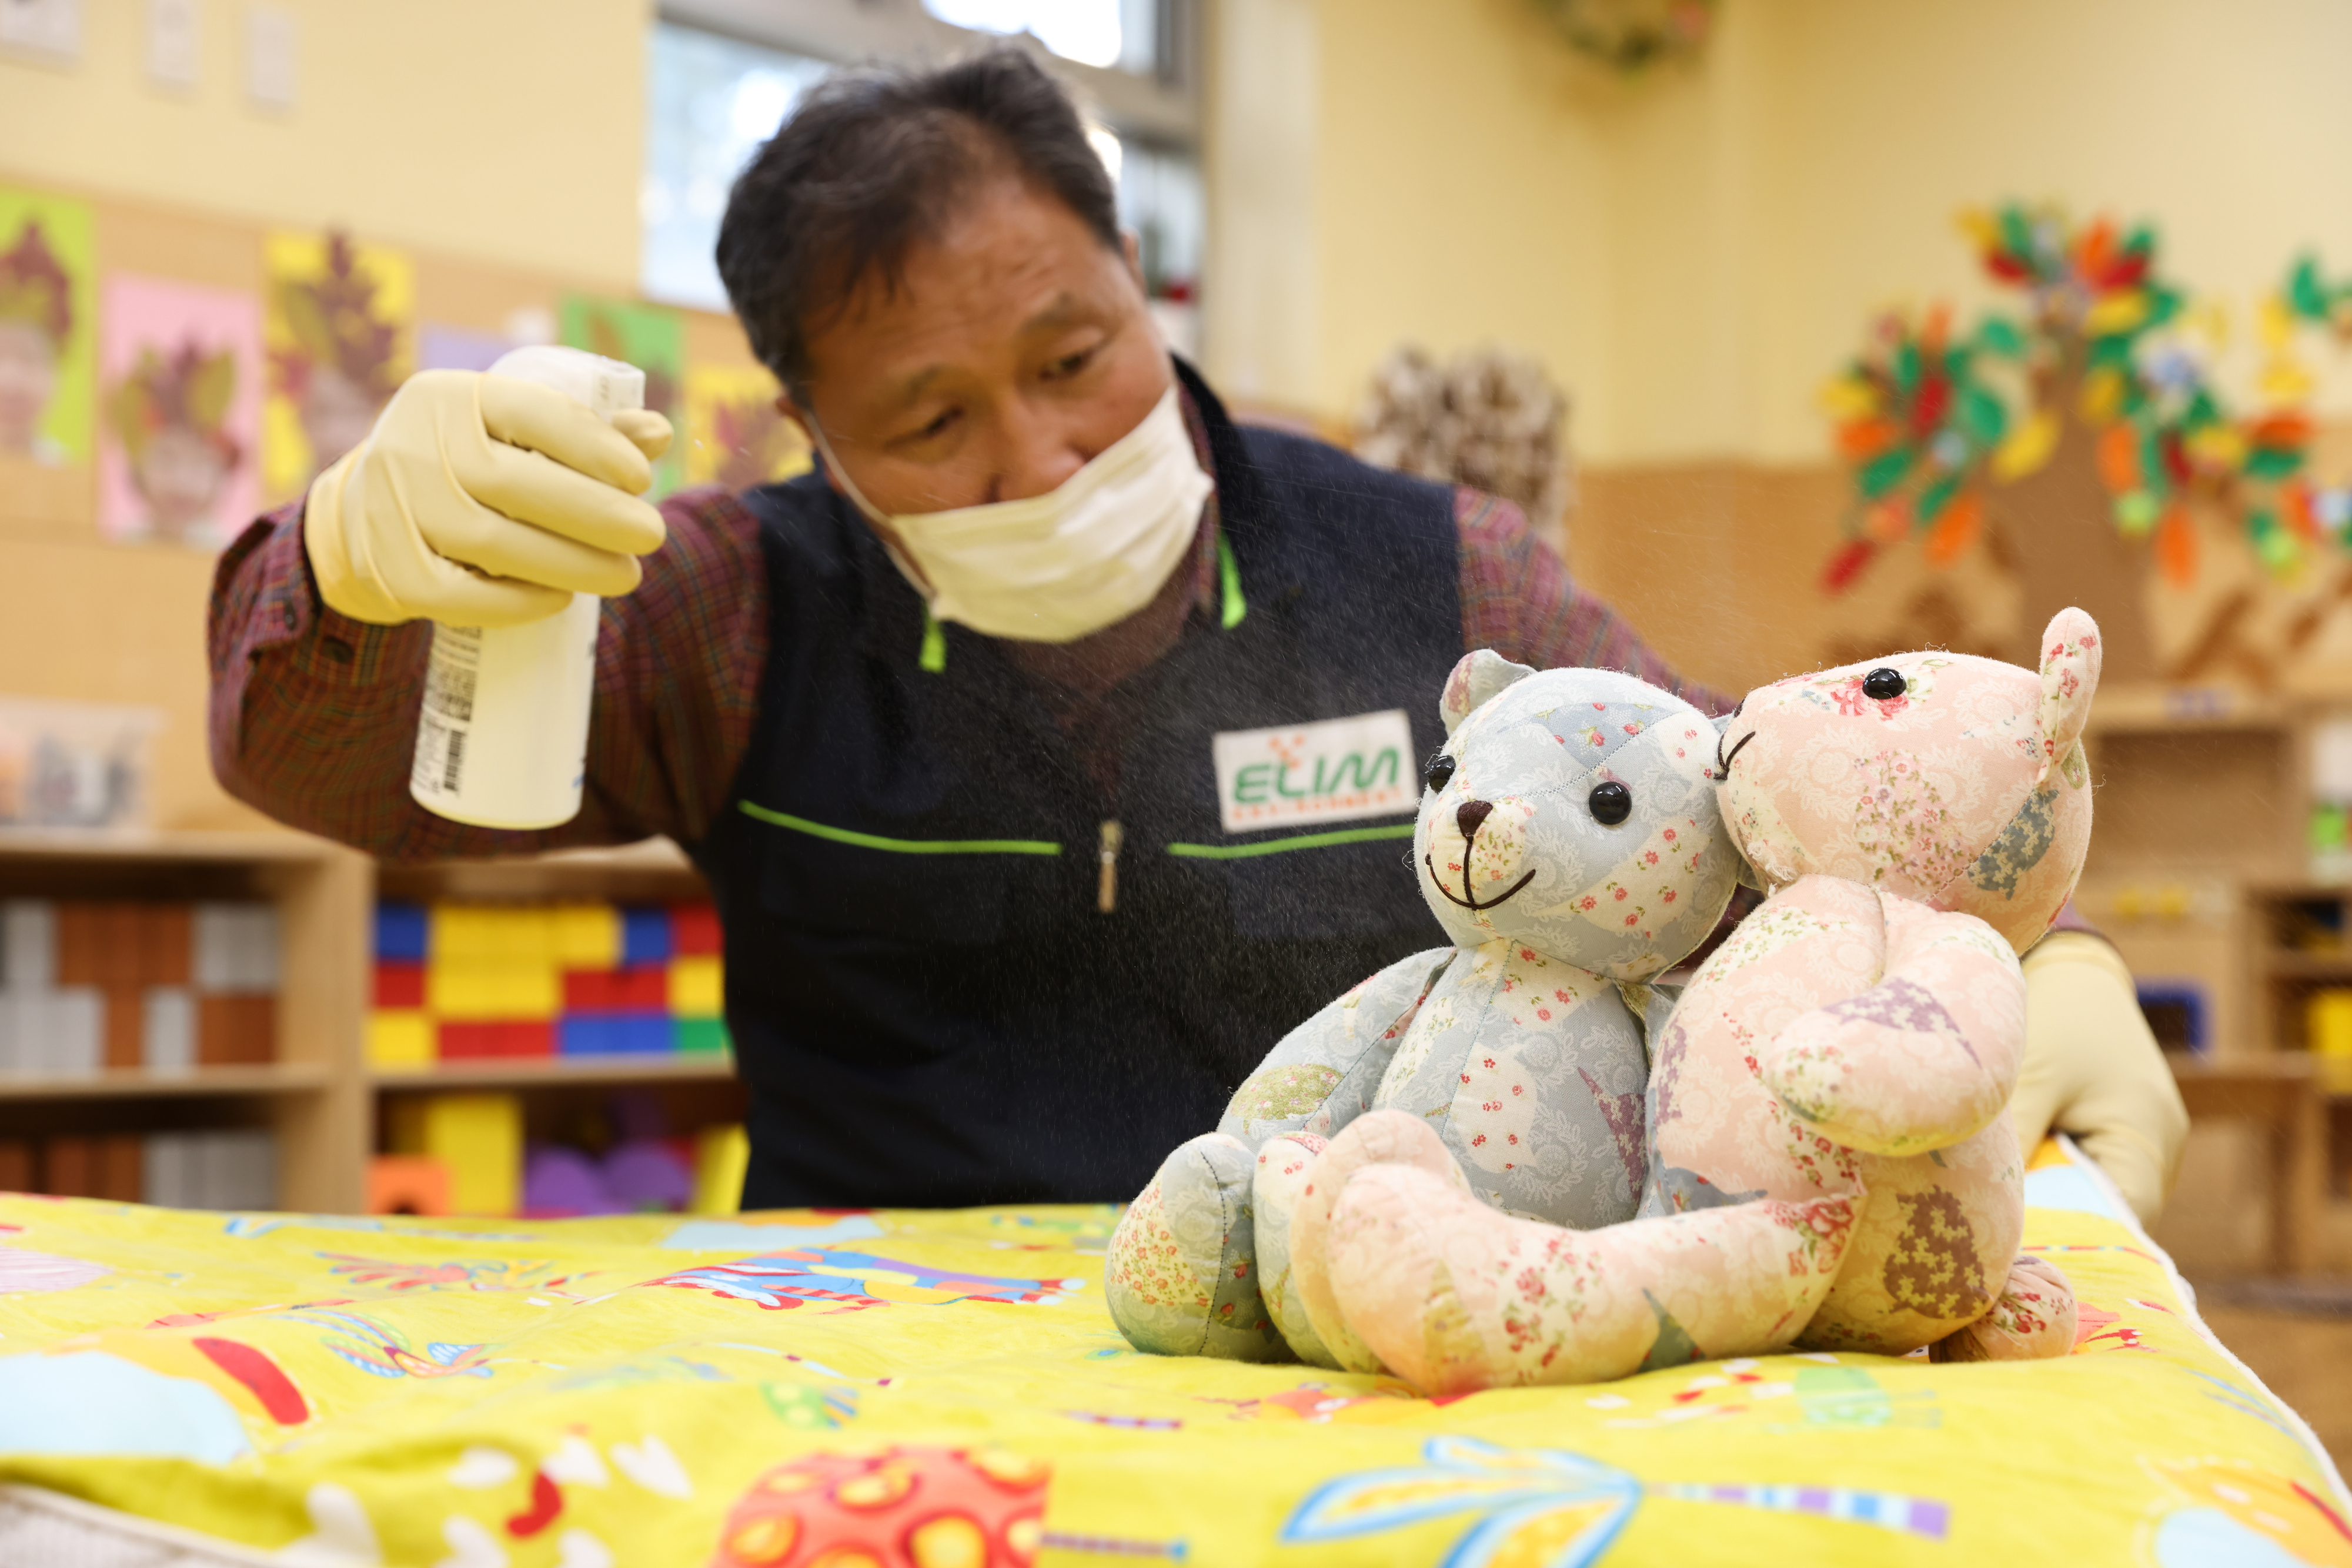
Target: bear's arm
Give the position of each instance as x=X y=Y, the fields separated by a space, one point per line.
x=1321 y=1075
x=1926 y=1057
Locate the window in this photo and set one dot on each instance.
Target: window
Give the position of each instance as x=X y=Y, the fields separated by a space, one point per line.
x=1116 y=34
x=713 y=96
x=711 y=101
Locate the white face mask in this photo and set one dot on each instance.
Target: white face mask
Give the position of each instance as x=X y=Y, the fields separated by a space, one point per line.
x=1054 y=568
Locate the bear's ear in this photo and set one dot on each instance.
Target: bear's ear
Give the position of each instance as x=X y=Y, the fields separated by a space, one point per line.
x=1478 y=676
x=2070 y=673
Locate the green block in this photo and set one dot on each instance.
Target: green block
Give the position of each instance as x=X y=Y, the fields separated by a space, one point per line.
x=703 y=1034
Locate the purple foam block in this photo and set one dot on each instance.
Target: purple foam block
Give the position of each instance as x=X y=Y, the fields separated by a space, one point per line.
x=559 y=1183
x=643 y=1176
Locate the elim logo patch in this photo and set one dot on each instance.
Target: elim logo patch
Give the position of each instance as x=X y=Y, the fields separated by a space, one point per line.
x=1326 y=772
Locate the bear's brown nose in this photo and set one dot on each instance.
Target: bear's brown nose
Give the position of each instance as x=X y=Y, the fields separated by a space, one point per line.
x=1469 y=814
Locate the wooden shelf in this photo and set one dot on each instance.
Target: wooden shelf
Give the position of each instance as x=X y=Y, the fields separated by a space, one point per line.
x=526 y=1072
x=2309 y=965
x=145 y=844
x=278 y=1078
x=2140 y=707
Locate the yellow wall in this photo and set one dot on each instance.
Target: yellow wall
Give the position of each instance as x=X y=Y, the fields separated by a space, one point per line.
x=1693 y=254
x=506 y=131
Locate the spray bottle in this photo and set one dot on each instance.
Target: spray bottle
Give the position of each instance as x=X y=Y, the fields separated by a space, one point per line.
x=502 y=739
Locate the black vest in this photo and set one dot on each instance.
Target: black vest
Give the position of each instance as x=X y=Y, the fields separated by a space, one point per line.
x=926 y=1000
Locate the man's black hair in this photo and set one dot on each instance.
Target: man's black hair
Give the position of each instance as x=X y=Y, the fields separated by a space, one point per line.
x=873 y=163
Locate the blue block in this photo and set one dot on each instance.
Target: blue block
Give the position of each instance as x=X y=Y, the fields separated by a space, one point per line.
x=645 y=937
x=400 y=932
x=614 y=1034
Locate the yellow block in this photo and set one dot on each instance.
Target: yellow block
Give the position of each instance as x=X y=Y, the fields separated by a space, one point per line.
x=400 y=1037
x=492 y=933
x=2328 y=1022
x=479 y=1138
x=585 y=935
x=721 y=1155
x=696 y=987
x=471 y=993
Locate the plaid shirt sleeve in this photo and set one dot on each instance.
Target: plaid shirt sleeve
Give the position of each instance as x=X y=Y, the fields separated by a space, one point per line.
x=314 y=715
x=1517 y=599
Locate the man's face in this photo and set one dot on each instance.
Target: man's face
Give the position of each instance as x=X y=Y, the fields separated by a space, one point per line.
x=1017 y=348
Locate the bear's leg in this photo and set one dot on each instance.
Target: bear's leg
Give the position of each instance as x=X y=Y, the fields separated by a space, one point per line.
x=1453 y=1296
x=2033 y=1319
x=1182 y=1272
x=1285 y=1171
x=1374 y=1138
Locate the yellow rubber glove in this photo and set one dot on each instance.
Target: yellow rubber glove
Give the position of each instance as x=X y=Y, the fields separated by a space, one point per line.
x=482 y=501
x=2092 y=1069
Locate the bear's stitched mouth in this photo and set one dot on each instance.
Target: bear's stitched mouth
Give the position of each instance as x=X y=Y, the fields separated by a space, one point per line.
x=1723 y=763
x=1467 y=899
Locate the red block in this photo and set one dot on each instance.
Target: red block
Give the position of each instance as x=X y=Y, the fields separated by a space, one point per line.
x=476 y=1041
x=645 y=989
x=399 y=986
x=693 y=929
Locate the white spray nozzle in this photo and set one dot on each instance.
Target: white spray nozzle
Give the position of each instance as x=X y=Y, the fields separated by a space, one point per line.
x=604 y=387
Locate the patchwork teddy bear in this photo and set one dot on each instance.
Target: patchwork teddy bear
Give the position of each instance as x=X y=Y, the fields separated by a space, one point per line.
x=1830 y=1164
x=1571 y=844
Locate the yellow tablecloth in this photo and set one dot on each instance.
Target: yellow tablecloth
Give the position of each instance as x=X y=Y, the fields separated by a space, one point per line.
x=940 y=1389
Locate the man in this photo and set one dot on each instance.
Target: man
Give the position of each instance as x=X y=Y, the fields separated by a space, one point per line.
x=958 y=726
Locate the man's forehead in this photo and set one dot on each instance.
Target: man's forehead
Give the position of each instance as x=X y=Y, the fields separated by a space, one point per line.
x=1012 y=264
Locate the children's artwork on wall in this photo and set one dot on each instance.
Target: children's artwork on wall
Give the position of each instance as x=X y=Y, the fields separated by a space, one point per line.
x=444 y=347
x=180 y=422
x=733 y=434
x=341 y=342
x=48 y=329
x=645 y=336
x=2088 y=448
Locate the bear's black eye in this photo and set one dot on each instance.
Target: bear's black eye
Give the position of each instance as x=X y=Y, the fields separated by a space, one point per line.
x=1440 y=768
x=1883 y=684
x=1610 y=803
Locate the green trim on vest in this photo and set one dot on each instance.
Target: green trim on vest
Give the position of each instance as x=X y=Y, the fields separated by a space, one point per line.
x=900 y=846
x=934 y=656
x=1303 y=842
x=1229 y=578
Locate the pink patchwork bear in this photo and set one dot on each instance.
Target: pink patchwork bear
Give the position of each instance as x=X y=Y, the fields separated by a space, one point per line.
x=1830 y=1161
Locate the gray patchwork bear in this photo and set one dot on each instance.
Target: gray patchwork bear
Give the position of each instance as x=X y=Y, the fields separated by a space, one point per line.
x=1569 y=843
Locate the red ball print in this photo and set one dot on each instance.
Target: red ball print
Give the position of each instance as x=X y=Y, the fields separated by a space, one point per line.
x=889 y=1507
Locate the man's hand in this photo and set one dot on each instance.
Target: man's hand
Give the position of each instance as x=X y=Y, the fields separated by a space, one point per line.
x=482 y=501
x=2093 y=1070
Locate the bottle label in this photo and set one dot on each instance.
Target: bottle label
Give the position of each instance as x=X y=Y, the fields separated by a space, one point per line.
x=448 y=716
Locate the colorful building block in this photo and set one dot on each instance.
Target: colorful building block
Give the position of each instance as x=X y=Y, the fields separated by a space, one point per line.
x=646 y=935
x=471 y=1040
x=694 y=929
x=586 y=936
x=401 y=934
x=402 y=1037
x=482 y=992
x=697 y=989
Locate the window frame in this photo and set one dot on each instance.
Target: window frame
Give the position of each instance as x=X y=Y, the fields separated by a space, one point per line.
x=1163 y=108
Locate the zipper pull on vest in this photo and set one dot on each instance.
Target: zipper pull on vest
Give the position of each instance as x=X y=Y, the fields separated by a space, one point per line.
x=1107 y=885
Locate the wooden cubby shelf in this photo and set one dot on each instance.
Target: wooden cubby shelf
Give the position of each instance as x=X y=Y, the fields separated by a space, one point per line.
x=320 y=1097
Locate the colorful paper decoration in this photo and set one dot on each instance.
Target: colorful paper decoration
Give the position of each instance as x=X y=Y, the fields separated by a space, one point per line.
x=646 y=336
x=1921 y=424
x=340 y=336
x=1632 y=35
x=733 y=434
x=48 y=322
x=181 y=425
x=2134 y=355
